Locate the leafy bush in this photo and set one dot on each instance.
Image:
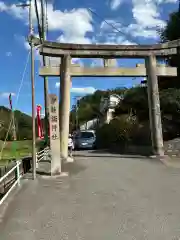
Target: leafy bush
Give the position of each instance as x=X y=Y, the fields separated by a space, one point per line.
x=118 y=131
x=141 y=135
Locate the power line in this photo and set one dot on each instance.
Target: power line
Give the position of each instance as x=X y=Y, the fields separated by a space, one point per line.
x=42 y=19
x=110 y=24
x=38 y=21
x=47 y=30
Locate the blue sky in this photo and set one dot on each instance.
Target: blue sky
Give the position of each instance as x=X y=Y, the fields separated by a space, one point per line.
x=71 y=21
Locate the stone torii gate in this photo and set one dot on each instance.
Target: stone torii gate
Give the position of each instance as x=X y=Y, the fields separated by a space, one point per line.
x=66 y=70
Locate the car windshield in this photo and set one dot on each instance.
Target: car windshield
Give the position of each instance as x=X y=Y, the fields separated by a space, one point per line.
x=86 y=135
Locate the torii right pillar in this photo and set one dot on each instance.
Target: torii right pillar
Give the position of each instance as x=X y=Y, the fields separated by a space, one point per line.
x=65 y=104
x=154 y=106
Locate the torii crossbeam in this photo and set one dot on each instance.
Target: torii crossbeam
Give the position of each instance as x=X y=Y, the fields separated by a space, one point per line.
x=55 y=49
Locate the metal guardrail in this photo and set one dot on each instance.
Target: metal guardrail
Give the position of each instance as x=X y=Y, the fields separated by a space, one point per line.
x=41 y=155
x=17 y=181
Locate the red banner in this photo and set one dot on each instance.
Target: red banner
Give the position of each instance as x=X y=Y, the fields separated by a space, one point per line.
x=39 y=123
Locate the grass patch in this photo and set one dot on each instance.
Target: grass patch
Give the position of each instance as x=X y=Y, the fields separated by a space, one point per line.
x=18 y=149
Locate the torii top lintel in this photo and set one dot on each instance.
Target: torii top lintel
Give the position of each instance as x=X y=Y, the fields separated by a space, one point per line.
x=55 y=49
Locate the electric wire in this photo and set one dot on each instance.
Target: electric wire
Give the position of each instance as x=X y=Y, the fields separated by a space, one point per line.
x=47 y=26
x=17 y=98
x=110 y=24
x=42 y=20
x=38 y=20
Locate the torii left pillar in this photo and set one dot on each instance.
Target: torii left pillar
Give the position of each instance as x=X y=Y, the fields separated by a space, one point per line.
x=154 y=106
x=65 y=104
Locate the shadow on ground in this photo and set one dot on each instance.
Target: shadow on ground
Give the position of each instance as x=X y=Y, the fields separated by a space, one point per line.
x=110 y=152
x=130 y=150
x=73 y=168
x=106 y=154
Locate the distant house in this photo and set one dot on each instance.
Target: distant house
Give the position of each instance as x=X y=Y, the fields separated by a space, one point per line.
x=107 y=107
x=90 y=125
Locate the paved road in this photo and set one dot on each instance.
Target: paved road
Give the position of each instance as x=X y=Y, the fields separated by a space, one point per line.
x=105 y=197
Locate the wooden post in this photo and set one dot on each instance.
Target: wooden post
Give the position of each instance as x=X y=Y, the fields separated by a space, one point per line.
x=154 y=106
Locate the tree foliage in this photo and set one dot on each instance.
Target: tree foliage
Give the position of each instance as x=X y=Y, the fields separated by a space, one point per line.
x=88 y=107
x=169 y=33
x=118 y=131
x=135 y=104
x=23 y=123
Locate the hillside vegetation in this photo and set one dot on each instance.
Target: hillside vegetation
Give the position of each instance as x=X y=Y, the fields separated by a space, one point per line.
x=23 y=123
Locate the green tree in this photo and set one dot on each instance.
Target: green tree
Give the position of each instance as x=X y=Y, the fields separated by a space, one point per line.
x=89 y=106
x=135 y=102
x=169 y=33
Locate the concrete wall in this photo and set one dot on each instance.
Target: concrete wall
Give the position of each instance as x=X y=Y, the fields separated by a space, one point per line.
x=89 y=125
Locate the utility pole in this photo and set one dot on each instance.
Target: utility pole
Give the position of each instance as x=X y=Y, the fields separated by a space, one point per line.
x=43 y=27
x=77 y=98
x=77 y=117
x=13 y=126
x=29 y=5
x=13 y=119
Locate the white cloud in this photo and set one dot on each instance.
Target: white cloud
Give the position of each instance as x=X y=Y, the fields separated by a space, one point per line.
x=146 y=13
x=97 y=63
x=80 y=90
x=73 y=24
x=23 y=41
x=147 y=18
x=3 y=7
x=6 y=94
x=86 y=90
x=137 y=30
x=8 y=54
x=54 y=61
x=114 y=4
x=108 y=23
x=57 y=85
x=110 y=35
